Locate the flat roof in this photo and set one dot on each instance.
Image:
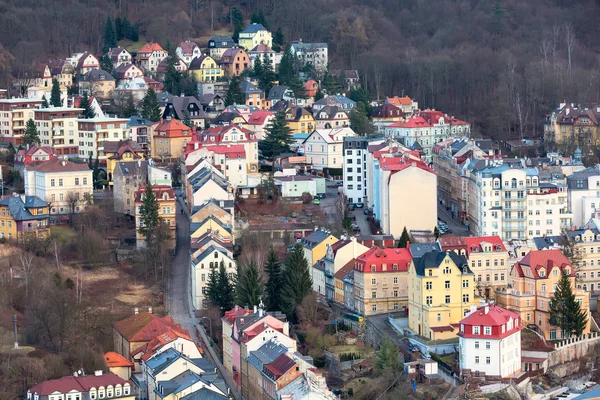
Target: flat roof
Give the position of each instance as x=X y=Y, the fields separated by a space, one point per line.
x=20 y=100
x=103 y=119
x=59 y=109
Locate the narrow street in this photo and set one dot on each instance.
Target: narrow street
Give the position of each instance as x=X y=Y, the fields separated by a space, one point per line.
x=458 y=229
x=178 y=295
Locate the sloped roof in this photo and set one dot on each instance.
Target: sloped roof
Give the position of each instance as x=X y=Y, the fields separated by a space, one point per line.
x=259 y=117
x=77 y=383
x=280 y=366
x=121 y=147
x=114 y=360
x=315 y=238
x=204 y=394
x=277 y=92
x=433 y=259
x=253 y=28
x=475 y=244
x=20 y=210
x=545 y=260
x=222 y=42
x=345 y=270
x=419 y=249
x=97 y=75
x=150 y=47
x=145 y=326
x=174 y=128
x=187 y=47
x=249 y=88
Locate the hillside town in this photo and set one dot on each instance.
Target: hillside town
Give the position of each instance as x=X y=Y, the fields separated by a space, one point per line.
x=231 y=219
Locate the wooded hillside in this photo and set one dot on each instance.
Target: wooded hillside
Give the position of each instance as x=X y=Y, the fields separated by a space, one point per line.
x=501 y=64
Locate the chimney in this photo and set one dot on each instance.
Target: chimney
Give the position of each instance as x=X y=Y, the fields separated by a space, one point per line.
x=98 y=372
x=135 y=311
x=550 y=264
x=286 y=328
x=139 y=162
x=260 y=312
x=255 y=309
x=408 y=245
x=150 y=310
x=63 y=162
x=486 y=309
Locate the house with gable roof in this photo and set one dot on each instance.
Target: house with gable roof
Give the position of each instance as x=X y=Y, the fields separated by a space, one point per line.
x=255 y=97
x=266 y=55
x=233 y=135
x=189 y=383
x=127 y=72
x=234 y=61
x=337 y=256
x=344 y=103
x=331 y=117
x=315 y=245
x=227 y=324
x=323 y=148
x=23 y=217
x=205 y=69
x=136 y=330
x=257 y=359
x=201 y=266
x=259 y=121
x=31 y=155
x=405 y=103
x=278 y=374
x=488 y=259
x=170 y=138
x=97 y=83
x=187 y=51
x=121 y=151
x=171 y=339
x=218 y=44
x=84 y=62
x=315 y=54
x=150 y=56
x=253 y=35
x=63 y=72
x=179 y=107
x=534 y=280
x=208 y=184
x=118 y=365
x=119 y=56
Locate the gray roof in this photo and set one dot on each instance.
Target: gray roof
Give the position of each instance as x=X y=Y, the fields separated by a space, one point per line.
x=249 y=88
x=253 y=28
x=548 y=242
x=277 y=92
x=138 y=121
x=418 y=250
x=225 y=117
x=315 y=238
x=209 y=251
x=20 y=210
x=204 y=394
x=132 y=168
x=221 y=42
x=266 y=354
x=97 y=75
x=433 y=259
x=331 y=112
x=177 y=105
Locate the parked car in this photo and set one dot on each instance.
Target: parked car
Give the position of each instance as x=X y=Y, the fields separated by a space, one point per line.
x=317 y=201
x=351 y=207
x=321 y=195
x=339 y=182
x=293 y=214
x=366 y=211
x=413 y=348
x=359 y=205
x=52 y=220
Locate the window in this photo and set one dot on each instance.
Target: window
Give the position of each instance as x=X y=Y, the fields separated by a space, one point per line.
x=429 y=300
x=447 y=284
x=488 y=360
x=488 y=345
x=52 y=182
x=447 y=299
x=465 y=298
x=395 y=280
x=373 y=281
x=487 y=330
x=475 y=330
x=476 y=359
x=465 y=283
x=476 y=345
x=439 y=317
x=60 y=182
x=374 y=307
x=76 y=181
x=373 y=295
x=428 y=285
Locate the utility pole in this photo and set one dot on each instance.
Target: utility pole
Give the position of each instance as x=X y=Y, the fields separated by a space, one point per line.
x=15 y=330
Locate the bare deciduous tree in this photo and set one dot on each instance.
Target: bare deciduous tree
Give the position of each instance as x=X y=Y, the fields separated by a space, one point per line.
x=27 y=268
x=570 y=42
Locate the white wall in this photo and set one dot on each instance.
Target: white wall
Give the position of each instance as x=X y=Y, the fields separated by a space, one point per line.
x=504 y=355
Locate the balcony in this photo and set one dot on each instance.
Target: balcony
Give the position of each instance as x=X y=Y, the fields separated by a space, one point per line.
x=514 y=228
x=514 y=217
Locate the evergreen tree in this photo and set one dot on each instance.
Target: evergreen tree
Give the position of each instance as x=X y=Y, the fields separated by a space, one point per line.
x=173 y=77
x=296 y=86
x=387 y=359
x=186 y=119
x=436 y=232
x=278 y=39
x=31 y=136
x=404 y=239
x=297 y=282
x=119 y=32
x=110 y=37
x=150 y=106
x=278 y=138
x=274 y=284
x=130 y=110
x=286 y=67
x=134 y=35
x=249 y=289
x=257 y=71
x=319 y=95
x=331 y=84
x=234 y=93
x=55 y=100
x=219 y=290
x=359 y=122
x=259 y=18
x=265 y=80
x=106 y=64
x=565 y=310
x=212 y=286
x=190 y=86
x=45 y=102
x=149 y=216
x=237 y=19
x=90 y=164
x=88 y=111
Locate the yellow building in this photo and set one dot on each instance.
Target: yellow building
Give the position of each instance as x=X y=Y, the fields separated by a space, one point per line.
x=170 y=138
x=315 y=245
x=488 y=259
x=121 y=151
x=573 y=123
x=586 y=244
x=299 y=120
x=534 y=280
x=381 y=280
x=23 y=217
x=167 y=212
x=205 y=69
x=441 y=292
x=254 y=35
x=210 y=224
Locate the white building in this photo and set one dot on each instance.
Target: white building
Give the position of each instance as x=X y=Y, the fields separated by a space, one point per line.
x=584 y=195
x=94 y=132
x=490 y=343
x=515 y=205
x=58 y=128
x=14 y=114
x=205 y=260
x=187 y=51
x=356 y=165
x=315 y=54
x=324 y=147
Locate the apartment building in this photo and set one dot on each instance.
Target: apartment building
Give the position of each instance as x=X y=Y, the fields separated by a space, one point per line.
x=488 y=259
x=14 y=114
x=315 y=54
x=94 y=132
x=441 y=292
x=167 y=213
x=58 y=128
x=355 y=167
x=534 y=280
x=323 y=148
x=381 y=280
x=584 y=195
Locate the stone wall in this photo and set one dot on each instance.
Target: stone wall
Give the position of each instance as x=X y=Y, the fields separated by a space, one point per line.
x=573 y=349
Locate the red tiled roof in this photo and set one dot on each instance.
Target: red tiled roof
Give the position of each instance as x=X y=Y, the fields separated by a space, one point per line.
x=121 y=147
x=150 y=47
x=342 y=272
x=29 y=152
x=158 y=191
x=232 y=151
x=452 y=243
x=173 y=128
x=279 y=366
x=114 y=360
x=236 y=311
x=144 y=327
x=259 y=117
x=261 y=48
x=78 y=383
x=412 y=123
x=399 y=100
x=187 y=48
x=58 y=165
x=543 y=259
x=474 y=244
x=158 y=342
x=378 y=256
x=492 y=316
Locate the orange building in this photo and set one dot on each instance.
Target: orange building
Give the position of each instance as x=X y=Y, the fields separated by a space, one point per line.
x=534 y=280
x=234 y=61
x=310 y=87
x=167 y=212
x=170 y=138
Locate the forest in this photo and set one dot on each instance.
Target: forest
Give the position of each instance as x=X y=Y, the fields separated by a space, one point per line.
x=503 y=65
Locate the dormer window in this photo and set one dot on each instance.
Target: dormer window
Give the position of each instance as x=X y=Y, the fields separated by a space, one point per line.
x=542 y=273
x=577 y=238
